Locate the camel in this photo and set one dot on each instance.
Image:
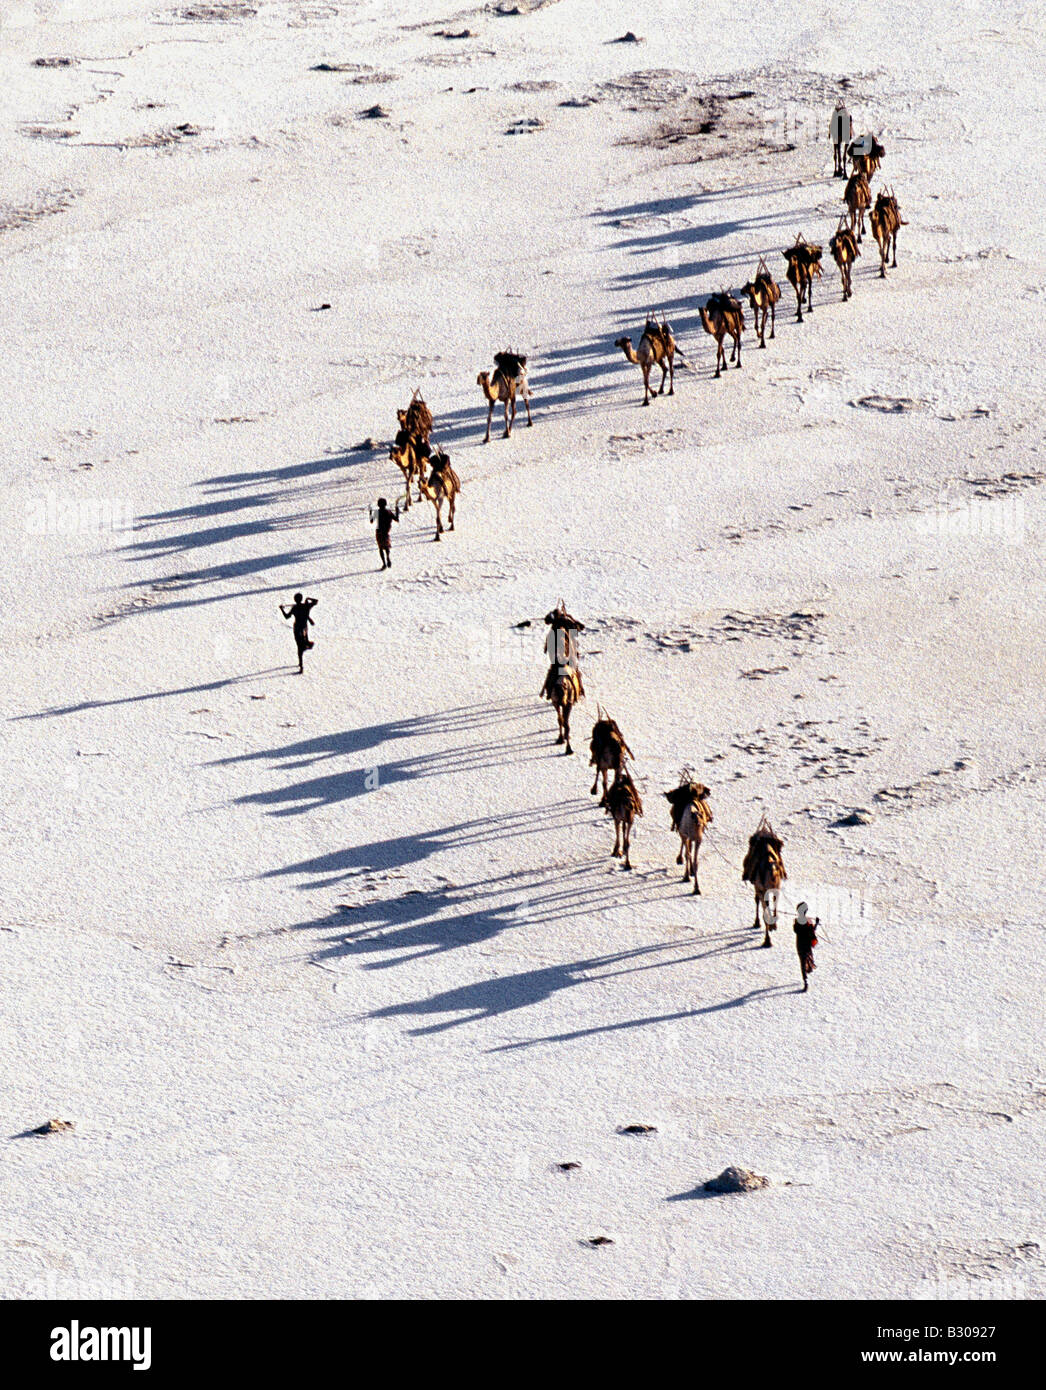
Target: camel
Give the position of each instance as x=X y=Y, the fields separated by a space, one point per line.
x=763 y=293
x=563 y=685
x=764 y=869
x=858 y=199
x=886 y=220
x=609 y=751
x=410 y=453
x=691 y=815
x=722 y=314
x=510 y=380
x=804 y=262
x=622 y=802
x=845 y=251
x=564 y=689
x=866 y=164
x=657 y=347
x=443 y=486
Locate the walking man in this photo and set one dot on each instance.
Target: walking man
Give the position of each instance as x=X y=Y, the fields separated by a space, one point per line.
x=805 y=940
x=299 y=611
x=383 y=530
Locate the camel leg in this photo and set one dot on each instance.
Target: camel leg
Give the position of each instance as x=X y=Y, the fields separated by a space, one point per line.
x=508 y=422
x=895 y=251
x=671 y=376
x=452 y=503
x=627 y=835
x=687 y=860
x=526 y=402
x=566 y=728
x=697 y=886
x=646 y=385
x=490 y=412
x=664 y=372
x=679 y=856
x=559 y=721
x=615 y=853
x=799 y=306
x=762 y=330
x=439 y=520
x=595 y=785
x=737 y=346
x=720 y=356
x=772 y=318
x=758 y=899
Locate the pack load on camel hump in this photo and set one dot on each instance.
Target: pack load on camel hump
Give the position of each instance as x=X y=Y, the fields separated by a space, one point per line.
x=689 y=794
x=763 y=863
x=561 y=647
x=419 y=417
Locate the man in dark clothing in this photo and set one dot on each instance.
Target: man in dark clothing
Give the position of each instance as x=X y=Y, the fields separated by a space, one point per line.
x=383 y=530
x=805 y=940
x=299 y=611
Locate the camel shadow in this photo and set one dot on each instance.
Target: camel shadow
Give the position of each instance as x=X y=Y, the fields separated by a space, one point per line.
x=491 y=998
x=299 y=797
x=425 y=923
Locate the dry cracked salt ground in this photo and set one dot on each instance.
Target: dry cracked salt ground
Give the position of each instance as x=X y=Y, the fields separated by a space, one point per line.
x=330 y=982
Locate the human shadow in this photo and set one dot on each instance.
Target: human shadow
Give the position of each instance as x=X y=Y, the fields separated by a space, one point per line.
x=55 y=711
x=741 y=942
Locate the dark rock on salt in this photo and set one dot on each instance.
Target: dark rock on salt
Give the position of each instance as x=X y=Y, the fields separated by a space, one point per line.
x=736 y=1180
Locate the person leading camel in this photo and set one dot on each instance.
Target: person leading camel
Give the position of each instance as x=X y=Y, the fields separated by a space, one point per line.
x=805 y=940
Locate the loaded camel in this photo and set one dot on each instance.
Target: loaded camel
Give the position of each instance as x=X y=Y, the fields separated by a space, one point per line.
x=886 y=220
x=657 y=348
x=443 y=486
x=865 y=163
x=722 y=314
x=622 y=802
x=764 y=869
x=509 y=381
x=608 y=749
x=804 y=262
x=763 y=293
x=563 y=685
x=845 y=251
x=858 y=199
x=411 y=449
x=691 y=814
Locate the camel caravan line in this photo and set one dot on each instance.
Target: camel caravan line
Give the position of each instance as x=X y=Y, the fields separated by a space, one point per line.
x=690 y=812
x=427 y=471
